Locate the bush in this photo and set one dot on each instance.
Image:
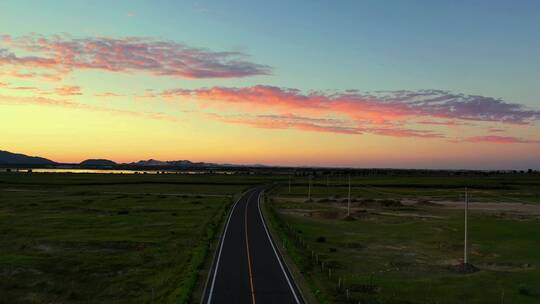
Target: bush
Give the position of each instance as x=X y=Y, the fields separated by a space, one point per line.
x=390 y=203
x=525 y=291
x=321 y=239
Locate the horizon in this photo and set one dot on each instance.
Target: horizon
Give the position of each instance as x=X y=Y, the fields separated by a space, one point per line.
x=286 y=166
x=346 y=85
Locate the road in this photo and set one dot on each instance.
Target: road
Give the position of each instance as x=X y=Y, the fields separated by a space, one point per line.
x=248 y=267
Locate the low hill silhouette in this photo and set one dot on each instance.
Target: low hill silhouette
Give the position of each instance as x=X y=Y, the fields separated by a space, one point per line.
x=9 y=158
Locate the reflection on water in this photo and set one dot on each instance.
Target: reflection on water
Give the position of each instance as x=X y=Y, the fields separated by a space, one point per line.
x=106 y=171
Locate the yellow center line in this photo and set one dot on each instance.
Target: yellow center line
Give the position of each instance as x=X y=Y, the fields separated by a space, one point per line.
x=248 y=253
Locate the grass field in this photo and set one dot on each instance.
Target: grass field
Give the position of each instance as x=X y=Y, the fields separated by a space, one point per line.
x=123 y=238
x=492 y=188
x=93 y=238
x=389 y=252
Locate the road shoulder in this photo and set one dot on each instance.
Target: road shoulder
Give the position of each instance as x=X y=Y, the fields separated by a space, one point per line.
x=205 y=272
x=298 y=278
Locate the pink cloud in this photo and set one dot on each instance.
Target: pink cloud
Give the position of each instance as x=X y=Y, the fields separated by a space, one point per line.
x=383 y=113
x=495 y=130
x=406 y=133
x=148 y=94
x=109 y=94
x=290 y=121
x=68 y=90
x=448 y=123
x=61 y=91
x=24 y=88
x=287 y=122
x=375 y=108
x=499 y=140
x=61 y=55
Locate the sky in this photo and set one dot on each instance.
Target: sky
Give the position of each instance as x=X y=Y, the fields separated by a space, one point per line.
x=391 y=84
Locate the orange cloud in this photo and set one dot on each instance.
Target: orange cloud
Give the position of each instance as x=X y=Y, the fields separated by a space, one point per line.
x=500 y=140
x=43 y=101
x=24 y=88
x=291 y=121
x=108 y=94
x=68 y=90
x=288 y=122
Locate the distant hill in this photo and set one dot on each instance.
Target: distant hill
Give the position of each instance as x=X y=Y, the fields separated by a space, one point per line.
x=150 y=163
x=170 y=163
x=97 y=163
x=8 y=158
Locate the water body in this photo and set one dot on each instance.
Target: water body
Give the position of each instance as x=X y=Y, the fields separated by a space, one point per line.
x=105 y=171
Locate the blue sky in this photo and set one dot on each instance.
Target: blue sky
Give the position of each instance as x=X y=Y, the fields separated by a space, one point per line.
x=481 y=49
x=476 y=47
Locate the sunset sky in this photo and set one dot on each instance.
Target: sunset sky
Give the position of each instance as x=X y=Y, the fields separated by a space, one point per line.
x=404 y=84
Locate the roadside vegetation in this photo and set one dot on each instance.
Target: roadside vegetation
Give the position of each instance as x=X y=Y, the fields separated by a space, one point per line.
x=93 y=238
x=396 y=248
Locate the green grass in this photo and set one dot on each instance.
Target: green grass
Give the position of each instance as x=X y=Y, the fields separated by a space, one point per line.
x=494 y=187
x=405 y=255
x=91 y=238
x=167 y=183
x=98 y=238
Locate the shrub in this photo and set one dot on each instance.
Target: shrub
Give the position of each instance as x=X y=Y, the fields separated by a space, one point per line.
x=390 y=203
x=321 y=239
x=525 y=291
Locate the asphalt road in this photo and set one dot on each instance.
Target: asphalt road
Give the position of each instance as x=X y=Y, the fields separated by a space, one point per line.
x=248 y=267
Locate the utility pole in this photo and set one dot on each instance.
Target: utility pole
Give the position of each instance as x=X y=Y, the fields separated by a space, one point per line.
x=349 y=200
x=309 y=189
x=465 y=255
x=289 y=184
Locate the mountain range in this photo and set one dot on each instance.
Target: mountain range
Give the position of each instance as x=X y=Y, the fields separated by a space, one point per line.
x=9 y=158
x=173 y=163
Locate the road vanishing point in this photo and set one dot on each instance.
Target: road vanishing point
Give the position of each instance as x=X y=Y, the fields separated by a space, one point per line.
x=248 y=267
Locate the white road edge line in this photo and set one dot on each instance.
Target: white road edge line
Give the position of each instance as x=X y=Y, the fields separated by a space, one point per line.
x=273 y=247
x=221 y=248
